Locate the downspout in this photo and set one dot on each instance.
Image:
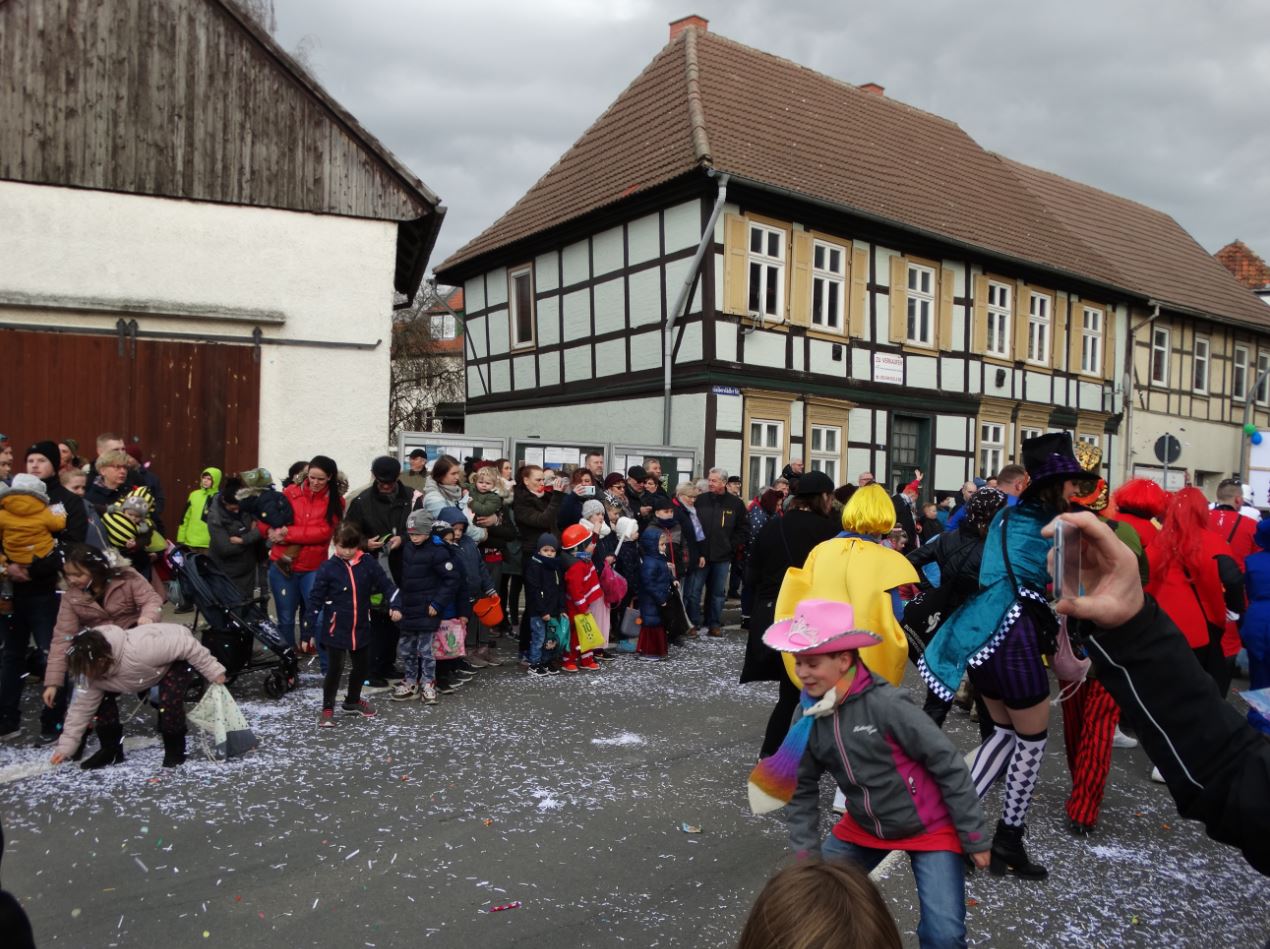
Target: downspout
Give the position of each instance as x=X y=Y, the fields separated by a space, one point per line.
x=681 y=303
x=1129 y=393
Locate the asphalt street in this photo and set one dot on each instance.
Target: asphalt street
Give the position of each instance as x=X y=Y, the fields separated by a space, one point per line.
x=568 y=796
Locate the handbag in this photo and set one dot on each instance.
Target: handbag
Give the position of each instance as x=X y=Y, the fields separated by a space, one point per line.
x=448 y=642
x=1065 y=664
x=613 y=584
x=1032 y=605
x=631 y=622
x=590 y=636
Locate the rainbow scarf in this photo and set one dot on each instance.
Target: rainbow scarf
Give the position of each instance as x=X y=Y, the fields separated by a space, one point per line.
x=774 y=779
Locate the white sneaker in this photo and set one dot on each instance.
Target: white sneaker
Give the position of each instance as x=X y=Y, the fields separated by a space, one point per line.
x=1121 y=740
x=404 y=693
x=428 y=694
x=1156 y=776
x=839 y=801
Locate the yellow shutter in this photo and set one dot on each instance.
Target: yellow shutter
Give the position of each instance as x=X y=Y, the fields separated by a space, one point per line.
x=1109 y=343
x=899 y=299
x=735 y=265
x=858 y=319
x=1075 y=334
x=1058 y=331
x=800 y=280
x=1021 y=301
x=979 y=327
x=944 y=323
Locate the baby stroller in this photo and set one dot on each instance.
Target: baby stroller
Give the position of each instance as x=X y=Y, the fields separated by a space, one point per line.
x=233 y=623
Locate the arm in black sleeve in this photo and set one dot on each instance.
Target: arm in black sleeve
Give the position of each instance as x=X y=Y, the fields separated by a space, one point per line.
x=921 y=556
x=1232 y=578
x=1216 y=765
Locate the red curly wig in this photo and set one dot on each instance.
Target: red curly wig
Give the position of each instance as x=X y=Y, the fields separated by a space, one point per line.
x=1180 y=536
x=1143 y=497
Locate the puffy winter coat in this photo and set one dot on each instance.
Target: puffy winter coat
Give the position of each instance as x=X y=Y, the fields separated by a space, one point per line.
x=544 y=586
x=141 y=658
x=582 y=588
x=535 y=514
x=128 y=600
x=193 y=529
x=310 y=529
x=28 y=524
x=1197 y=602
x=654 y=577
x=474 y=575
x=341 y=595
x=238 y=561
x=430 y=577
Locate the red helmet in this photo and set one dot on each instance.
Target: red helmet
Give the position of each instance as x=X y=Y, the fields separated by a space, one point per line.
x=575 y=535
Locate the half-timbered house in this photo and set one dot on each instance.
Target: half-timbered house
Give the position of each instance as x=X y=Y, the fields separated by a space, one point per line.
x=876 y=292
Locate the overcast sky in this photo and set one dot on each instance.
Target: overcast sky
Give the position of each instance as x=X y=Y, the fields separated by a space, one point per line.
x=1166 y=102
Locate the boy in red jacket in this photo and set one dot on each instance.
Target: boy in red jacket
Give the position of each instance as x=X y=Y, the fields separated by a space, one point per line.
x=582 y=591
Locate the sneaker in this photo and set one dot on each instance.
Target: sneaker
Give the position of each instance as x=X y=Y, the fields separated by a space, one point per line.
x=10 y=733
x=538 y=670
x=647 y=658
x=476 y=662
x=493 y=660
x=449 y=685
x=715 y=632
x=428 y=694
x=605 y=656
x=375 y=685
x=745 y=620
x=589 y=664
x=360 y=707
x=328 y=718
x=1156 y=776
x=464 y=674
x=569 y=666
x=404 y=692
x=551 y=670
x=1121 y=740
x=182 y=610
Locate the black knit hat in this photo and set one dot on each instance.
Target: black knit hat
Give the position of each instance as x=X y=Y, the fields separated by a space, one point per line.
x=49 y=450
x=385 y=468
x=663 y=503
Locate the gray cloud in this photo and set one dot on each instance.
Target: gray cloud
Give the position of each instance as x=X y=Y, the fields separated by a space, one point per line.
x=1162 y=102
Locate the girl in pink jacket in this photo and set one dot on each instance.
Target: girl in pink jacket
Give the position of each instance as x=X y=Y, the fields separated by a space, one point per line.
x=110 y=659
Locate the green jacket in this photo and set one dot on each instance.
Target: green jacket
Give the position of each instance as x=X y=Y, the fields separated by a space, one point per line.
x=193 y=529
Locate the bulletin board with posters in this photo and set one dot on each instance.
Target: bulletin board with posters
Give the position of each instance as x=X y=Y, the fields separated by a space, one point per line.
x=558 y=456
x=462 y=447
x=677 y=464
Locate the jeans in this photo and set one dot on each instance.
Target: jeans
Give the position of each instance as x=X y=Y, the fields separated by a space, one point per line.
x=716 y=591
x=417 y=659
x=693 y=585
x=33 y=616
x=290 y=597
x=941 y=888
x=537 y=636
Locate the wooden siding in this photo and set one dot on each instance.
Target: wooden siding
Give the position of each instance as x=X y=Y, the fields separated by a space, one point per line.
x=190 y=405
x=184 y=99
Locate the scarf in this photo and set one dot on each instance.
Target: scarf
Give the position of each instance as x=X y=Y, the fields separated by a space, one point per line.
x=775 y=778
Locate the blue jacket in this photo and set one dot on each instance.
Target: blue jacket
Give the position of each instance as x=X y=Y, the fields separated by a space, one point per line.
x=544 y=586
x=1255 y=629
x=475 y=578
x=654 y=577
x=341 y=592
x=429 y=577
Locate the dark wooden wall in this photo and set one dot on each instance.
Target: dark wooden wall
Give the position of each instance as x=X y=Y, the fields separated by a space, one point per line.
x=191 y=405
x=181 y=98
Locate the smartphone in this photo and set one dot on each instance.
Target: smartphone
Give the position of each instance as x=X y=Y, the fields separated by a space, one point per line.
x=1066 y=564
x=588 y=491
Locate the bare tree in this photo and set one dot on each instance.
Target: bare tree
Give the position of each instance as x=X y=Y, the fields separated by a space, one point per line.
x=427 y=369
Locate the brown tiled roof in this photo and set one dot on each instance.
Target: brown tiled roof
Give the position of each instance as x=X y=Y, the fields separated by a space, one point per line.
x=1153 y=254
x=707 y=101
x=1248 y=268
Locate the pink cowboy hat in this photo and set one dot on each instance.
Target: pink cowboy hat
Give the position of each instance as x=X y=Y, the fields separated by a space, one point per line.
x=818 y=627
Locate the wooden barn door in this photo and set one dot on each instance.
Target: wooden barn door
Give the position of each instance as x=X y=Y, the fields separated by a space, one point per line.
x=190 y=405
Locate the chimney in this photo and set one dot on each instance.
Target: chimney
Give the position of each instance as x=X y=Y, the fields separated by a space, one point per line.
x=874 y=89
x=688 y=22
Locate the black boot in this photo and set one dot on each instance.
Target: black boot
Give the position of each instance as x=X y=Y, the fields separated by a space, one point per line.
x=174 y=750
x=1009 y=856
x=111 y=751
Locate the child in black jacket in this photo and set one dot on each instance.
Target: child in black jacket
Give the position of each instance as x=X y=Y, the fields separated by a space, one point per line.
x=544 y=602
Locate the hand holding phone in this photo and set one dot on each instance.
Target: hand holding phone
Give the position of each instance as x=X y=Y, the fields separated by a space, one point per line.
x=1066 y=564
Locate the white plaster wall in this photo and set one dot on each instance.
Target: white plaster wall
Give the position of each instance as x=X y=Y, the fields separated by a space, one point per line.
x=645 y=292
x=951 y=374
x=727 y=454
x=496 y=283
x=610 y=357
x=610 y=305
x=950 y=473
x=331 y=277
x=547 y=326
x=857 y=463
x=729 y=412
x=683 y=226
x=1206 y=446
x=725 y=341
x=546 y=275
x=577 y=315
x=641 y=421
x=1037 y=387
x=763 y=348
x=950 y=432
x=606 y=251
x=920 y=372
x=690 y=344
x=577 y=263
x=474 y=332
x=861 y=364
x=646 y=350
x=642 y=239
x=499 y=328
x=474 y=294
x=549 y=369
x=523 y=371
x=676 y=273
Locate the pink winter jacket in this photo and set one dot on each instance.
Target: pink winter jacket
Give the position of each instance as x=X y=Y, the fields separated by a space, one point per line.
x=129 y=601
x=142 y=657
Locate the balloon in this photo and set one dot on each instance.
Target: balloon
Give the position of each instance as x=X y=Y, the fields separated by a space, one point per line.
x=1249 y=428
x=1256 y=438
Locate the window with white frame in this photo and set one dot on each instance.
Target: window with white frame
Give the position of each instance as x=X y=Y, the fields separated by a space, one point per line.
x=991 y=448
x=828 y=276
x=921 y=305
x=1026 y=433
x=1160 y=356
x=1091 y=341
x=442 y=326
x=1095 y=440
x=520 y=296
x=1239 y=374
x=1263 y=390
x=767 y=271
x=767 y=441
x=1000 y=315
x=826 y=452
x=1199 y=365
x=1038 y=328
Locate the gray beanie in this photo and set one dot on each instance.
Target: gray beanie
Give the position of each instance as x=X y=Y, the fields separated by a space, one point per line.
x=592 y=507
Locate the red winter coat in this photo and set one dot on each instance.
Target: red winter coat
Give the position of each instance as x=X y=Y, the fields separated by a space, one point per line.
x=581 y=588
x=1181 y=597
x=1238 y=531
x=310 y=529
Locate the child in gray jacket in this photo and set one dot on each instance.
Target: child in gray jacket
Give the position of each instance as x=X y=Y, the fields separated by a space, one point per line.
x=906 y=786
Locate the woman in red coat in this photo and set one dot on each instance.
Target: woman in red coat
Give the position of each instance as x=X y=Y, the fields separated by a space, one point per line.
x=298 y=549
x=1195 y=579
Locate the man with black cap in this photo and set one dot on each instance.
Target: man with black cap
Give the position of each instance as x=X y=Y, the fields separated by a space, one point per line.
x=726 y=525
x=635 y=478
x=417 y=477
x=380 y=513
